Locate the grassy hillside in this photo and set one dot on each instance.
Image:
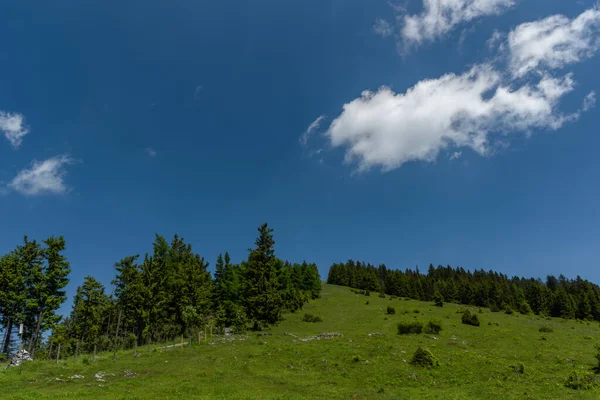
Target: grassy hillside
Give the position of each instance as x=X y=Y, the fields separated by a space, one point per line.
x=370 y=361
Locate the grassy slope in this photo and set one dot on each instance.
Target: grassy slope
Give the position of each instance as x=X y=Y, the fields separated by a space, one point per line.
x=474 y=360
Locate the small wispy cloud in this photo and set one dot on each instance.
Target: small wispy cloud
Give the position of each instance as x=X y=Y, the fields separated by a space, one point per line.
x=383 y=28
x=43 y=177
x=12 y=125
x=312 y=128
x=197 y=91
x=150 y=151
x=590 y=101
x=456 y=155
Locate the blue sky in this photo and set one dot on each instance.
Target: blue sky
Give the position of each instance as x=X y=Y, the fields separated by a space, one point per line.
x=205 y=119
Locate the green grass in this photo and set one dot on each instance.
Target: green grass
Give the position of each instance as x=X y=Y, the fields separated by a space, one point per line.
x=371 y=361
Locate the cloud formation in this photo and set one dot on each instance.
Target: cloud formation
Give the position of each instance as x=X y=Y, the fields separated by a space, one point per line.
x=12 y=125
x=150 y=151
x=312 y=128
x=554 y=42
x=479 y=109
x=43 y=177
x=386 y=129
x=590 y=101
x=383 y=28
x=441 y=16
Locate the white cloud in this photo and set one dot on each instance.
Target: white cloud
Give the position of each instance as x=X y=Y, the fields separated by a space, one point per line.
x=12 y=125
x=441 y=16
x=150 y=151
x=383 y=28
x=456 y=155
x=44 y=177
x=312 y=128
x=590 y=101
x=554 y=42
x=386 y=129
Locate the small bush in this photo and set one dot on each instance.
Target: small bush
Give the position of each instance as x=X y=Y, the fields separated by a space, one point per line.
x=405 y=328
x=382 y=295
x=587 y=337
x=434 y=327
x=367 y=303
x=545 y=329
x=518 y=368
x=311 y=318
x=494 y=307
x=356 y=359
x=582 y=380
x=438 y=299
x=508 y=311
x=367 y=293
x=85 y=360
x=385 y=318
x=416 y=311
x=424 y=358
x=390 y=310
x=470 y=318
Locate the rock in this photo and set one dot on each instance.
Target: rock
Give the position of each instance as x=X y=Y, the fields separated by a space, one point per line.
x=19 y=357
x=129 y=374
x=101 y=375
x=77 y=377
x=59 y=380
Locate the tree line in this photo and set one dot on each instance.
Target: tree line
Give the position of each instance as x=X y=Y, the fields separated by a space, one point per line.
x=167 y=293
x=556 y=297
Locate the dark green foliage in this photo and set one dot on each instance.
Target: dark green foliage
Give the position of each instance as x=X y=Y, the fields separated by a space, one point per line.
x=367 y=292
x=545 y=329
x=581 y=380
x=414 y=327
x=390 y=310
x=470 y=318
x=557 y=297
x=518 y=368
x=423 y=357
x=433 y=327
x=438 y=299
x=416 y=311
x=311 y=318
x=382 y=295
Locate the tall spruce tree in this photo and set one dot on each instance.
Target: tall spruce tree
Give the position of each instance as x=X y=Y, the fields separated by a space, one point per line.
x=262 y=292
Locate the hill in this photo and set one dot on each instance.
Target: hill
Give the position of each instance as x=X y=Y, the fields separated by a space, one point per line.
x=370 y=360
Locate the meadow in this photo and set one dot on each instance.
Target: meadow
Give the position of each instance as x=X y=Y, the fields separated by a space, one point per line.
x=506 y=357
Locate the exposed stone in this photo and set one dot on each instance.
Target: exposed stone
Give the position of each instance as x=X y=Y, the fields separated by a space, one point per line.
x=19 y=357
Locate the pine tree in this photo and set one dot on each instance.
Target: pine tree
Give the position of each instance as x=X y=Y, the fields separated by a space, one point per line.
x=89 y=307
x=262 y=294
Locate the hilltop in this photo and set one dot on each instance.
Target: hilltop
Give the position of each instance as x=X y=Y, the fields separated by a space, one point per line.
x=369 y=361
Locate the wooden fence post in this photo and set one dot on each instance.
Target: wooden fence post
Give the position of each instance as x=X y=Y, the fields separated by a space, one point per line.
x=58 y=353
x=117 y=335
x=76 y=351
x=50 y=351
x=94 y=356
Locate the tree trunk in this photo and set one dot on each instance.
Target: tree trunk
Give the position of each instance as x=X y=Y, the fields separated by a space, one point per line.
x=117 y=334
x=58 y=353
x=33 y=344
x=8 y=335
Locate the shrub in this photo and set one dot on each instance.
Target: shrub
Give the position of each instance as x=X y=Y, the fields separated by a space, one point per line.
x=311 y=318
x=494 y=307
x=424 y=358
x=416 y=311
x=85 y=360
x=405 y=328
x=433 y=326
x=545 y=329
x=508 y=311
x=438 y=300
x=356 y=359
x=382 y=295
x=582 y=380
x=367 y=303
x=470 y=318
x=390 y=310
x=519 y=368
x=367 y=293
x=385 y=318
